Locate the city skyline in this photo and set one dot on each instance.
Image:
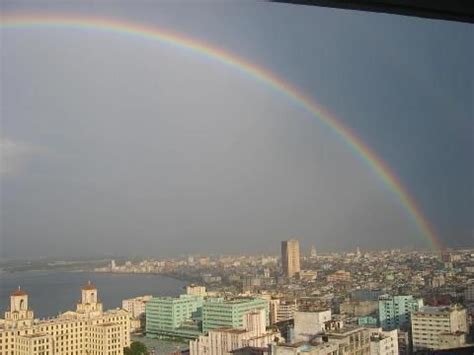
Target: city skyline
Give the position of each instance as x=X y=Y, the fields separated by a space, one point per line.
x=168 y=152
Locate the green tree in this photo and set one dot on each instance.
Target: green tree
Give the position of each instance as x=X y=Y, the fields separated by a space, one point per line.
x=136 y=348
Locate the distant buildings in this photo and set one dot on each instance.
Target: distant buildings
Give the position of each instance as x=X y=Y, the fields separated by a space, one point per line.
x=88 y=330
x=290 y=257
x=196 y=290
x=394 y=311
x=438 y=327
x=339 y=276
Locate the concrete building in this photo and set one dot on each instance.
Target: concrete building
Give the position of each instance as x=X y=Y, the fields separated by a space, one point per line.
x=438 y=327
x=469 y=292
x=290 y=257
x=136 y=309
x=88 y=330
x=196 y=290
x=229 y=313
x=394 y=311
x=339 y=276
x=174 y=316
x=358 y=308
x=304 y=348
x=384 y=342
x=221 y=341
x=351 y=340
x=136 y=306
x=308 y=324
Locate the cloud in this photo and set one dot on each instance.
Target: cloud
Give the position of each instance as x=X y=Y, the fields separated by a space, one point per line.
x=16 y=155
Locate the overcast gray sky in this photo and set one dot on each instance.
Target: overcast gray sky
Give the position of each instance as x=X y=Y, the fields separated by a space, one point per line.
x=122 y=146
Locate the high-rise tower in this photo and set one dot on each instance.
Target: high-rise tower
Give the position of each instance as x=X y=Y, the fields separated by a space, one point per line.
x=290 y=257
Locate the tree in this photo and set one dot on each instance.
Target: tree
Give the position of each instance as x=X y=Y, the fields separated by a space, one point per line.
x=136 y=348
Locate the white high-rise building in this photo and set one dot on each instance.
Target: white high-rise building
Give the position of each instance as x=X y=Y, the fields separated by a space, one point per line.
x=88 y=330
x=438 y=327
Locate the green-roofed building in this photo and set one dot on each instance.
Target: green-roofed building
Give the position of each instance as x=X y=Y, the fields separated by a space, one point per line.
x=222 y=313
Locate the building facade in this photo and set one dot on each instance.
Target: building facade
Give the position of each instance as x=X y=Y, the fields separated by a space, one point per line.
x=290 y=257
x=438 y=327
x=88 y=330
x=172 y=316
x=394 y=311
x=222 y=341
x=229 y=313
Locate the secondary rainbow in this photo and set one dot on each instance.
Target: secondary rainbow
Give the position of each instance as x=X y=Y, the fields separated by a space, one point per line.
x=22 y=20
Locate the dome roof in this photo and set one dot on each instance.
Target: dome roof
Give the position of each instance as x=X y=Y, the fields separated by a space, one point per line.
x=89 y=286
x=19 y=292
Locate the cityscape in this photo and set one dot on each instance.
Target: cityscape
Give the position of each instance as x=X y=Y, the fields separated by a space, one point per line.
x=229 y=177
x=388 y=302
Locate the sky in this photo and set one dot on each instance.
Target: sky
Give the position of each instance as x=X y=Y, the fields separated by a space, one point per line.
x=115 y=145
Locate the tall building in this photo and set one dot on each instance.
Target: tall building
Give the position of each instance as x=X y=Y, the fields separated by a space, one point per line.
x=88 y=330
x=394 y=311
x=313 y=252
x=438 y=327
x=229 y=313
x=173 y=316
x=290 y=257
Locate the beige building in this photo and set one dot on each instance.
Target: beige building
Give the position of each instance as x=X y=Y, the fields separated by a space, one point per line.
x=196 y=290
x=224 y=340
x=438 y=327
x=88 y=330
x=290 y=257
x=136 y=310
x=358 y=308
x=383 y=342
x=308 y=324
x=351 y=340
x=304 y=349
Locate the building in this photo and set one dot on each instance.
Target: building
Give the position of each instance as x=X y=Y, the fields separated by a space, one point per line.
x=339 y=276
x=229 y=313
x=221 y=341
x=290 y=257
x=196 y=290
x=136 y=309
x=469 y=291
x=384 y=342
x=174 y=316
x=308 y=324
x=394 y=311
x=358 y=308
x=438 y=327
x=351 y=340
x=136 y=306
x=88 y=330
x=304 y=348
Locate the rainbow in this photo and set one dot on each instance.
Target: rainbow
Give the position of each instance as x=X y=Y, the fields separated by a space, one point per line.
x=262 y=75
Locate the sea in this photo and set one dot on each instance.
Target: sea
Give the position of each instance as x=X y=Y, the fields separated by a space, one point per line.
x=50 y=293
